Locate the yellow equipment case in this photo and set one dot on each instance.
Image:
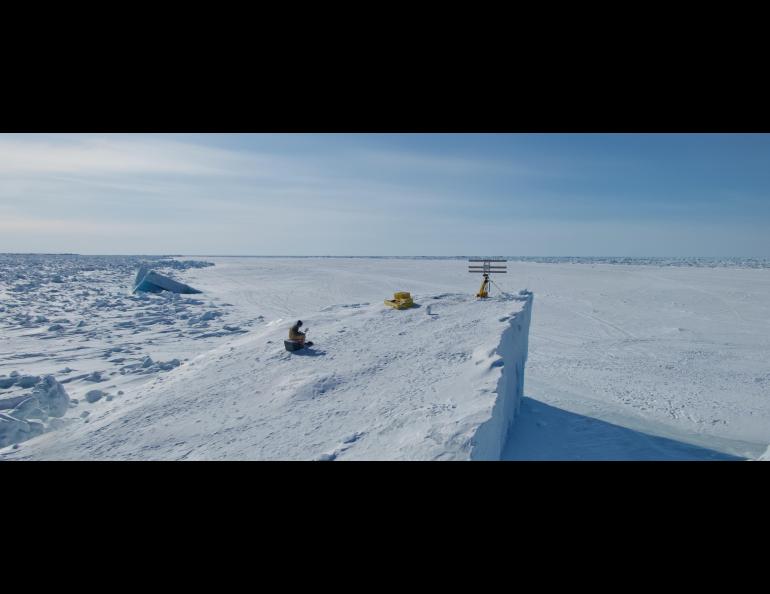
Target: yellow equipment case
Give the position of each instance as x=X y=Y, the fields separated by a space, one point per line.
x=401 y=300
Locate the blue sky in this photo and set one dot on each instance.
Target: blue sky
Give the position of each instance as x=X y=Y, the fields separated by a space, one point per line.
x=387 y=194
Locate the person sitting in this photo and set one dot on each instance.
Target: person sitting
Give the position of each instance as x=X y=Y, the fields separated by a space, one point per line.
x=295 y=334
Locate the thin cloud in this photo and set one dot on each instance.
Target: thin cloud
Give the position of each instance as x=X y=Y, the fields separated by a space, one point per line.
x=65 y=226
x=349 y=194
x=100 y=156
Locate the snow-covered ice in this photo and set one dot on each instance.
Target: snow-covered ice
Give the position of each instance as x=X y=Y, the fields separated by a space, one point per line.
x=79 y=310
x=658 y=360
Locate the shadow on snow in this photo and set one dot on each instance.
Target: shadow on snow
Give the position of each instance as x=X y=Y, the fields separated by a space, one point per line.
x=308 y=352
x=543 y=432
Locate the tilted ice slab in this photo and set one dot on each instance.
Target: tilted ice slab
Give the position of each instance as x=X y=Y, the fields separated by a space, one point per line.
x=150 y=281
x=441 y=381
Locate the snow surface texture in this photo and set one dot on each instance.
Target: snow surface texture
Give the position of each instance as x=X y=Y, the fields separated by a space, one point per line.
x=653 y=360
x=73 y=318
x=380 y=384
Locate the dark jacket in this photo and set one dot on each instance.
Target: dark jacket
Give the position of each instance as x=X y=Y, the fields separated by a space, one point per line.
x=295 y=334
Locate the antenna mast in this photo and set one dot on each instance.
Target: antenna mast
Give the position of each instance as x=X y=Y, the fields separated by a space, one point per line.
x=487 y=267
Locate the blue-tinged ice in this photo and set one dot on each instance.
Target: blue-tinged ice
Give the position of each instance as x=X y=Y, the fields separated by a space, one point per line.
x=150 y=281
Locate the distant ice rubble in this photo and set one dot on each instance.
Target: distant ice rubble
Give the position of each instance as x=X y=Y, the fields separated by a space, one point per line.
x=80 y=310
x=693 y=262
x=60 y=295
x=182 y=264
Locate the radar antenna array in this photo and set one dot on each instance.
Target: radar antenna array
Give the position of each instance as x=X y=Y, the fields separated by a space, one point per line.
x=486 y=267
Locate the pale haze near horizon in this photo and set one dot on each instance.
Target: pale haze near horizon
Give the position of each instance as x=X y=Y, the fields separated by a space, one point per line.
x=386 y=194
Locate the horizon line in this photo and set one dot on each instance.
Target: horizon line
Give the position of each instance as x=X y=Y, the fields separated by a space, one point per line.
x=165 y=255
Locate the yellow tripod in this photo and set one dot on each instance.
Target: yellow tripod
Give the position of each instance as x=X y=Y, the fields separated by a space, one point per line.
x=484 y=290
x=486 y=267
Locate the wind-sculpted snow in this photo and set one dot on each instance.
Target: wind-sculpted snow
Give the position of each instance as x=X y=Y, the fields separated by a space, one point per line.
x=379 y=384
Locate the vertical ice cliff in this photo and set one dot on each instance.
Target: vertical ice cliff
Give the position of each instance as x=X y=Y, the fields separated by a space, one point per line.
x=490 y=437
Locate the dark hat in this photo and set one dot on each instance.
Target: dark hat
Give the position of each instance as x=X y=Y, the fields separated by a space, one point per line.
x=299 y=322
